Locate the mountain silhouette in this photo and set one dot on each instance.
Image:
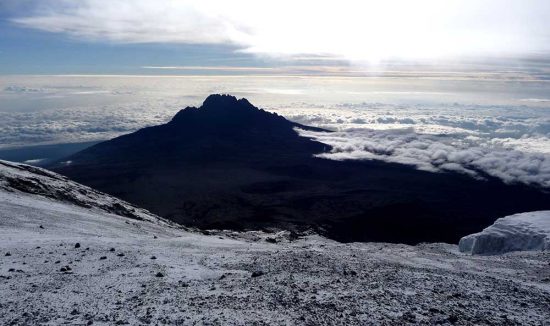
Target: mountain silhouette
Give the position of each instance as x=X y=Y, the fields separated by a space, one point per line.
x=230 y=165
x=223 y=128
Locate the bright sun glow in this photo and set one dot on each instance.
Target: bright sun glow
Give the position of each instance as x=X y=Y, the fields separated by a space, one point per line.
x=368 y=31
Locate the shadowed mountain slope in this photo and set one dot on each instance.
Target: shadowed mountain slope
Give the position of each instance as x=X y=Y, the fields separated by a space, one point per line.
x=231 y=165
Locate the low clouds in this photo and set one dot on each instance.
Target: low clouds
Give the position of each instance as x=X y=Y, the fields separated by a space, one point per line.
x=508 y=142
x=80 y=123
x=438 y=153
x=32 y=115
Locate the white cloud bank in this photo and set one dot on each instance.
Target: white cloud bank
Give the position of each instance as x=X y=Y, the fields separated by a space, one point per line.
x=438 y=153
x=354 y=30
x=511 y=143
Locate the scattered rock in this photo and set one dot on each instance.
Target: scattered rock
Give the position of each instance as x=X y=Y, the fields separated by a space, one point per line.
x=153 y=257
x=257 y=273
x=452 y=319
x=102 y=257
x=120 y=255
x=409 y=316
x=65 y=269
x=7 y=254
x=433 y=310
x=159 y=274
x=41 y=227
x=112 y=249
x=455 y=295
x=77 y=245
x=271 y=240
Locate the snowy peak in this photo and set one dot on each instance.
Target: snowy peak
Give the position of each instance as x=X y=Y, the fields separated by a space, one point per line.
x=26 y=179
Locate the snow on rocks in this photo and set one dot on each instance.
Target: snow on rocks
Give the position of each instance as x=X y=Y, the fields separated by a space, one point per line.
x=199 y=279
x=22 y=178
x=519 y=232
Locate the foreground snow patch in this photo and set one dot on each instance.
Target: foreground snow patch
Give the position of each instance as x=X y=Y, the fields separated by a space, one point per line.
x=525 y=231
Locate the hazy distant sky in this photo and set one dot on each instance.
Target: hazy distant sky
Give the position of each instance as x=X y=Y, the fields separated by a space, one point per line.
x=138 y=36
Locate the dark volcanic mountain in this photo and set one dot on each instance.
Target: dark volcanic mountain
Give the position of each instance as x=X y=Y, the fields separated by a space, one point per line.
x=223 y=129
x=231 y=165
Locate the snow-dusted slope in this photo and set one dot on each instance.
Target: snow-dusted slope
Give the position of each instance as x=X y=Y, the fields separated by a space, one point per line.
x=22 y=178
x=525 y=231
x=63 y=263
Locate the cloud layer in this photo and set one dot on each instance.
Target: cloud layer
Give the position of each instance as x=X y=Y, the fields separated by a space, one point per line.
x=439 y=153
x=505 y=141
x=508 y=141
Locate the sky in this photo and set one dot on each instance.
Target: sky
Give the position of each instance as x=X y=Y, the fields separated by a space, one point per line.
x=268 y=37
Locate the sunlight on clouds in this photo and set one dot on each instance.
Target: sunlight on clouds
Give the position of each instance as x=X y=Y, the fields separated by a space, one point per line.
x=359 y=31
x=354 y=30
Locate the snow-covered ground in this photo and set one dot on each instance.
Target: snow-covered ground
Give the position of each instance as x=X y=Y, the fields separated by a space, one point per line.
x=525 y=231
x=22 y=178
x=61 y=263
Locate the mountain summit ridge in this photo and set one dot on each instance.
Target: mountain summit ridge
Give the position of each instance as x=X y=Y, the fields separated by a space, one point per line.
x=226 y=100
x=224 y=110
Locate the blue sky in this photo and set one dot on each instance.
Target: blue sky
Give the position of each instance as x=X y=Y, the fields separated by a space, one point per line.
x=123 y=36
x=27 y=51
